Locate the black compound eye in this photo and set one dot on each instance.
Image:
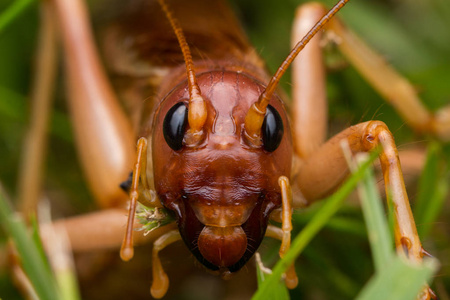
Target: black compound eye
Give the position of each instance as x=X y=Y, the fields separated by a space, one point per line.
x=174 y=125
x=272 y=129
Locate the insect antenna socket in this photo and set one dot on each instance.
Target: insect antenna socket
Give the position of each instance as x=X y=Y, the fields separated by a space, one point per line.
x=197 y=112
x=253 y=123
x=255 y=115
x=196 y=119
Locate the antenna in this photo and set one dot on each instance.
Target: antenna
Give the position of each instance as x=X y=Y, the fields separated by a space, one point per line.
x=197 y=107
x=256 y=113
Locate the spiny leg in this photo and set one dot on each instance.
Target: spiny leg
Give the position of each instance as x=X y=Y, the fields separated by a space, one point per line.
x=284 y=233
x=326 y=169
x=160 y=283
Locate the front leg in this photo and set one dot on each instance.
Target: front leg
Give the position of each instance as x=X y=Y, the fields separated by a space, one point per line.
x=284 y=233
x=327 y=168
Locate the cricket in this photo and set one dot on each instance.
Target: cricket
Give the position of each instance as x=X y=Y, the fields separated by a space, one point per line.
x=187 y=143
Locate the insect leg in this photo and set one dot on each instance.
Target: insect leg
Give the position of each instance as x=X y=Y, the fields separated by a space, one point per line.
x=286 y=195
x=310 y=108
x=326 y=169
x=309 y=91
x=103 y=133
x=284 y=233
x=100 y=230
x=291 y=278
x=160 y=280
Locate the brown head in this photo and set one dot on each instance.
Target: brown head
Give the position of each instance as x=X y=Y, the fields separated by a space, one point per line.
x=222 y=189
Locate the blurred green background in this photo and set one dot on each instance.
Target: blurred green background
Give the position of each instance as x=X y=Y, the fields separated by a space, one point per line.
x=413 y=35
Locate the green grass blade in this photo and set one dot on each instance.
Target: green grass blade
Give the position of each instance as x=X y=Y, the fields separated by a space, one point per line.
x=433 y=189
x=68 y=285
x=11 y=13
x=32 y=262
x=427 y=181
x=336 y=223
x=402 y=280
x=378 y=231
x=63 y=266
x=331 y=206
x=60 y=258
x=435 y=206
x=278 y=291
x=36 y=238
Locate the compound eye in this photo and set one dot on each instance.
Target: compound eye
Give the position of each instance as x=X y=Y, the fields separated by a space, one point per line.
x=272 y=129
x=174 y=125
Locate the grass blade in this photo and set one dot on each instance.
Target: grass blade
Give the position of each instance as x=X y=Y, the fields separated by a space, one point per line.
x=61 y=259
x=9 y=14
x=402 y=280
x=433 y=189
x=378 y=231
x=279 y=291
x=32 y=262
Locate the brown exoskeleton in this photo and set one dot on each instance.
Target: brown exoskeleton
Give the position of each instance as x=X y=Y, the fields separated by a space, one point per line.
x=221 y=143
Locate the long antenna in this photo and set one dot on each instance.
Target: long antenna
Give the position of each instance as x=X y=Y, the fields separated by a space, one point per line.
x=197 y=107
x=256 y=113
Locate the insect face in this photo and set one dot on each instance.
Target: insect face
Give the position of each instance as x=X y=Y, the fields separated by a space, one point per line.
x=222 y=190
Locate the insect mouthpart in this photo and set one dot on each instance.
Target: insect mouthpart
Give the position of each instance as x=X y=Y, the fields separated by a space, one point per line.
x=222 y=246
x=226 y=247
